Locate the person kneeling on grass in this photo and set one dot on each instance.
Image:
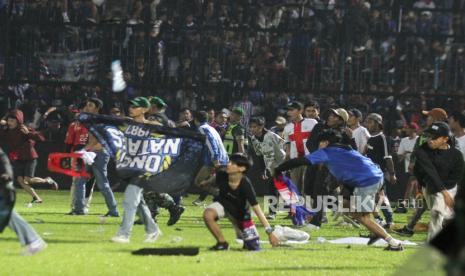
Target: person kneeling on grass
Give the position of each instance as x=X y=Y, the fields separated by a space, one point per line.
x=356 y=172
x=236 y=195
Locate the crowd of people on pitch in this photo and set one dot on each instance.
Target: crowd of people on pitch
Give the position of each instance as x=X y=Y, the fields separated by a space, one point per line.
x=337 y=152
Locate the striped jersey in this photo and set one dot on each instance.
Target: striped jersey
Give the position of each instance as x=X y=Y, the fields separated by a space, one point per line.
x=215 y=149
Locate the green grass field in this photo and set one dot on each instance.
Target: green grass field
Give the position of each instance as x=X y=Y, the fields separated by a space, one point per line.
x=80 y=245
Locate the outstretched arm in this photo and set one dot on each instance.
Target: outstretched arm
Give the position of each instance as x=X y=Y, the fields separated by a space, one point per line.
x=290 y=164
x=271 y=237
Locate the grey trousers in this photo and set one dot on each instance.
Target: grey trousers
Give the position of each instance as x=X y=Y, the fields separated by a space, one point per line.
x=134 y=202
x=26 y=234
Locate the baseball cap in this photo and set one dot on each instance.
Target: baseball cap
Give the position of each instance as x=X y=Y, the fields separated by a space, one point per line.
x=226 y=112
x=438 y=114
x=355 y=112
x=375 y=117
x=98 y=103
x=140 y=102
x=438 y=129
x=238 y=110
x=295 y=105
x=341 y=112
x=412 y=125
x=74 y=109
x=157 y=101
x=280 y=120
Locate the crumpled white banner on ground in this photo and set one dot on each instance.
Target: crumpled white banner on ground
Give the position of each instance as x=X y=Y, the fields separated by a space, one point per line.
x=363 y=241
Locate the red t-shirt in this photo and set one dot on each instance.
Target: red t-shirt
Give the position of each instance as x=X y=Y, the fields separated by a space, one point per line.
x=76 y=135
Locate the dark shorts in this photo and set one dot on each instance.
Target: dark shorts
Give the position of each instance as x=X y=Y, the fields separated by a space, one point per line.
x=245 y=230
x=24 y=168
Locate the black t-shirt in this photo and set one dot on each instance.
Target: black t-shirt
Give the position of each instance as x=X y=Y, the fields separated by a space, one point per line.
x=378 y=150
x=438 y=169
x=236 y=202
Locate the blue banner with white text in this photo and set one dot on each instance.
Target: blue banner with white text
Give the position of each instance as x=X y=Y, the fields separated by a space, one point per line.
x=156 y=158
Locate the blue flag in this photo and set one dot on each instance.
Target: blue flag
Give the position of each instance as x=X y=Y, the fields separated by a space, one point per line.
x=156 y=158
x=290 y=194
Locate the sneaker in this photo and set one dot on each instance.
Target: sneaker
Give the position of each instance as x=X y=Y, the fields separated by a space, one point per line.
x=52 y=183
x=175 y=214
x=398 y=247
x=405 y=232
x=400 y=210
x=197 y=202
x=151 y=238
x=120 y=239
x=34 y=247
x=372 y=238
x=220 y=246
x=76 y=213
x=110 y=214
x=35 y=200
x=312 y=227
x=271 y=216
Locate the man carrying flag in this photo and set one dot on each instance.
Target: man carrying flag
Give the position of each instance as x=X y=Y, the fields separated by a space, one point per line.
x=133 y=199
x=356 y=172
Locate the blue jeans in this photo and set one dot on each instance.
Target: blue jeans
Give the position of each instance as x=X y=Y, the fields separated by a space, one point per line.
x=23 y=230
x=134 y=203
x=99 y=170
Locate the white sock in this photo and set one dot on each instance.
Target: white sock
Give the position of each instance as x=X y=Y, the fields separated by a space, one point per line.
x=392 y=242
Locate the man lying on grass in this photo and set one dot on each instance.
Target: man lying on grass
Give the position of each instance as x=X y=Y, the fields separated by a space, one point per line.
x=356 y=172
x=236 y=195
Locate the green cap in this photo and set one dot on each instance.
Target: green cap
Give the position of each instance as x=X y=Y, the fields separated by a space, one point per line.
x=238 y=110
x=140 y=102
x=157 y=101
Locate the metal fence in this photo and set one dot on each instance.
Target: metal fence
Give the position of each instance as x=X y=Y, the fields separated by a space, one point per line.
x=395 y=51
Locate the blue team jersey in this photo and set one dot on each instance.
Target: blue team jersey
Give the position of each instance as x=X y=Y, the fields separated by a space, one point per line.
x=347 y=166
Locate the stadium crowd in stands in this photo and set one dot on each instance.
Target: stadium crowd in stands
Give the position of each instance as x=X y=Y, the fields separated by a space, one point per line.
x=257 y=54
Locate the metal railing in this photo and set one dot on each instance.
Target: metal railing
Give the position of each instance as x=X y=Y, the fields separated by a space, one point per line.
x=297 y=60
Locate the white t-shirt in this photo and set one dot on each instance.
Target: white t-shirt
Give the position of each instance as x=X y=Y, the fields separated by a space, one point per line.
x=361 y=136
x=296 y=135
x=406 y=148
x=461 y=144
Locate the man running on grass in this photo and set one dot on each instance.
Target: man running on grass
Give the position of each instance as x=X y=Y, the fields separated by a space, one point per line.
x=236 y=194
x=357 y=172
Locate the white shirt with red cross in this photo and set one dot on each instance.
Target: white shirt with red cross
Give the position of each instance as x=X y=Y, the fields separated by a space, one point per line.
x=296 y=134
